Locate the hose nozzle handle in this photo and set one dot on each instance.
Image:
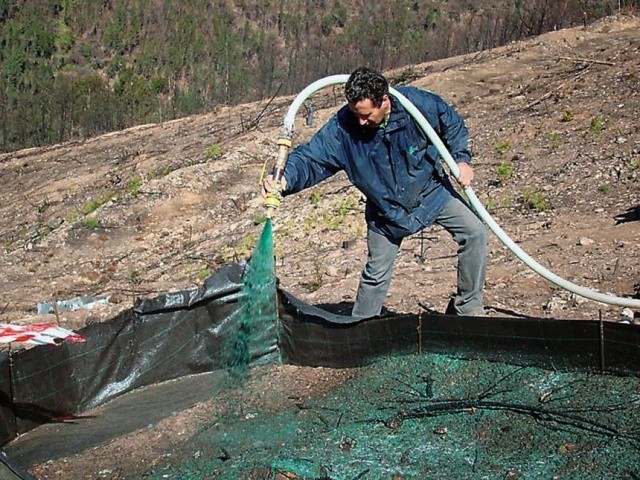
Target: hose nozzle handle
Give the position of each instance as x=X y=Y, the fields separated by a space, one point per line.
x=274 y=198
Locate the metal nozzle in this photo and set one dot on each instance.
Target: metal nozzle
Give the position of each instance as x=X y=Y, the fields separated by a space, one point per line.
x=273 y=199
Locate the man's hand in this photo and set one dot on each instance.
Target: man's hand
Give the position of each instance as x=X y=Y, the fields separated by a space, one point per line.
x=466 y=174
x=269 y=185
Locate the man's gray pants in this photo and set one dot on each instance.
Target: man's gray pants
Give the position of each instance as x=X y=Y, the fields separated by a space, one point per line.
x=467 y=231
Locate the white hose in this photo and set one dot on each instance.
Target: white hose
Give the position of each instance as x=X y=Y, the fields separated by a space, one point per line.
x=290 y=117
x=482 y=212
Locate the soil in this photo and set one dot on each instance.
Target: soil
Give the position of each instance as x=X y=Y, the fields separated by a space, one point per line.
x=157 y=208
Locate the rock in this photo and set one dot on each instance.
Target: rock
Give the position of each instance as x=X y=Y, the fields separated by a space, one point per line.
x=331 y=271
x=626 y=316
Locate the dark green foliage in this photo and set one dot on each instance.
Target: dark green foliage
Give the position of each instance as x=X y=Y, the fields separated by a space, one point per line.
x=165 y=59
x=5 y=6
x=14 y=66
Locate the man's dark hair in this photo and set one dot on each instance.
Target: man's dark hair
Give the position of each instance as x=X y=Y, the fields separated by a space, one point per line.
x=365 y=83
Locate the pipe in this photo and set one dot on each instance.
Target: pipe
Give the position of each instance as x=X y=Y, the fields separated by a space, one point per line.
x=473 y=199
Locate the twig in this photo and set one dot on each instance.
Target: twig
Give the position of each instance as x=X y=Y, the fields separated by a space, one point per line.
x=420 y=333
x=29 y=202
x=411 y=390
x=253 y=123
x=341 y=190
x=361 y=474
x=491 y=390
x=562 y=85
x=558 y=417
x=225 y=455
x=587 y=60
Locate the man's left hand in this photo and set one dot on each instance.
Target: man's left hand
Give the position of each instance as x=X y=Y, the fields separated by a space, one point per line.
x=466 y=174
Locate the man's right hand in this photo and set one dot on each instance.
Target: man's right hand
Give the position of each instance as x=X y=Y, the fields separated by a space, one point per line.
x=269 y=185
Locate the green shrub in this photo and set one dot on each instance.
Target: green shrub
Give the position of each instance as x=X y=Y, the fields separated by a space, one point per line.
x=90 y=207
x=316 y=198
x=135 y=277
x=347 y=205
x=504 y=172
x=213 y=151
x=567 y=116
x=597 y=125
x=554 y=140
x=204 y=274
x=501 y=146
x=91 y=223
x=134 y=186
x=318 y=273
x=534 y=200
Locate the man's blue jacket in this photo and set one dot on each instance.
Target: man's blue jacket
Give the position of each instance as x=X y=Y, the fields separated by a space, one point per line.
x=396 y=167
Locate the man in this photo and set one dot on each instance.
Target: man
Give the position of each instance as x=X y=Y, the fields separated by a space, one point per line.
x=389 y=159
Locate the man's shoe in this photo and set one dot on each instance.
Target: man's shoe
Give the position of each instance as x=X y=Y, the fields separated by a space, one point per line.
x=478 y=312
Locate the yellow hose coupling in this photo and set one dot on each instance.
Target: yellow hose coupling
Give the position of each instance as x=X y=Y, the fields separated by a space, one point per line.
x=272 y=202
x=285 y=142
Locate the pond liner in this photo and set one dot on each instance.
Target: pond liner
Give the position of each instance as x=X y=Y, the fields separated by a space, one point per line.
x=9 y=471
x=315 y=337
x=188 y=332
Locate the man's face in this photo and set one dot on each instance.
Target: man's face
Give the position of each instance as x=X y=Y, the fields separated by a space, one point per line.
x=368 y=114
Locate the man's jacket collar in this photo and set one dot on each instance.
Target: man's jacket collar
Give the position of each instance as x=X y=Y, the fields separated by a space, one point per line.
x=399 y=116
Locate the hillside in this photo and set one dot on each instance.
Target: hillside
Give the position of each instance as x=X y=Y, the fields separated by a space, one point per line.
x=158 y=207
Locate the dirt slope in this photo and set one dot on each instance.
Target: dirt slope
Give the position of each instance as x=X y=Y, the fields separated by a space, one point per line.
x=556 y=136
x=155 y=208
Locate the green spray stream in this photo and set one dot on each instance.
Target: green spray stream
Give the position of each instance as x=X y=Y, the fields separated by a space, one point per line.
x=257 y=326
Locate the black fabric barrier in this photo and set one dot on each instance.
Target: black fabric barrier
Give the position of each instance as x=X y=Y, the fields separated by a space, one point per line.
x=621 y=346
x=7 y=417
x=316 y=337
x=168 y=337
x=9 y=471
